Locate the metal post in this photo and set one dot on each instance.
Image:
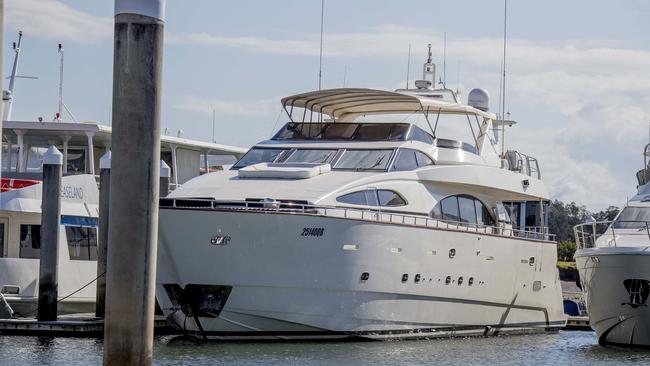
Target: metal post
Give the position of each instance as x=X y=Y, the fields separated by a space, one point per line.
x=66 y=140
x=165 y=173
x=102 y=236
x=2 y=7
x=50 y=221
x=133 y=217
x=20 y=136
x=91 y=154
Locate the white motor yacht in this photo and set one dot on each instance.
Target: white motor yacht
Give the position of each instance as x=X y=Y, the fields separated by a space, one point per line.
x=82 y=145
x=353 y=222
x=613 y=260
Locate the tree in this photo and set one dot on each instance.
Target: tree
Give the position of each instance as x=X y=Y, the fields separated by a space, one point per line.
x=563 y=217
x=565 y=251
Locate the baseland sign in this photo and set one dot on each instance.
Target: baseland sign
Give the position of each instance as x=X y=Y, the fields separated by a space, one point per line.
x=72 y=192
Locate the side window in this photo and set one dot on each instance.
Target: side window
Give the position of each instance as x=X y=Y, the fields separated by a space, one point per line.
x=422 y=159
x=390 y=198
x=449 y=207
x=82 y=243
x=467 y=210
x=405 y=160
x=30 y=241
x=354 y=198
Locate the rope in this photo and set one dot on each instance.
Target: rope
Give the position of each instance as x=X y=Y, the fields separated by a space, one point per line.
x=67 y=296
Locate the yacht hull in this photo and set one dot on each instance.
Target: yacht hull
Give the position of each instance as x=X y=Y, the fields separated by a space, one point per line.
x=238 y=274
x=615 y=285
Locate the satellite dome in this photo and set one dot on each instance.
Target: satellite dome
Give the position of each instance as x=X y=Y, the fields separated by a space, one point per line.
x=479 y=99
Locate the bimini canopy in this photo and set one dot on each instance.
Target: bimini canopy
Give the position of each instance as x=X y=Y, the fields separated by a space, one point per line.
x=347 y=103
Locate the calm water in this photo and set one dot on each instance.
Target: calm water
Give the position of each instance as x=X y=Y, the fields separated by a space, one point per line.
x=575 y=348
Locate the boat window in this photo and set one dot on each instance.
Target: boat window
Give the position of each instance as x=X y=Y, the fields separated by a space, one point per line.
x=30 y=241
x=344 y=131
x=409 y=159
x=76 y=161
x=633 y=218
x=372 y=197
x=463 y=208
x=419 y=134
x=259 y=155
x=467 y=210
x=364 y=159
x=311 y=156
x=82 y=243
x=390 y=198
x=2 y=239
x=339 y=131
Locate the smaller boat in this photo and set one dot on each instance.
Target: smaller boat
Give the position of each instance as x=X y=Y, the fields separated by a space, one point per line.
x=613 y=260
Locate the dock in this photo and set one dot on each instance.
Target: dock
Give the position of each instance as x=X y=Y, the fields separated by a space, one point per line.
x=72 y=325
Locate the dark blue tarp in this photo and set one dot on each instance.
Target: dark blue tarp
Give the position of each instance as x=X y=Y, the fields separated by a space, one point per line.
x=80 y=221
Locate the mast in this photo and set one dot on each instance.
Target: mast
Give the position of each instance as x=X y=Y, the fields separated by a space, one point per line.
x=9 y=97
x=59 y=114
x=320 y=55
x=503 y=98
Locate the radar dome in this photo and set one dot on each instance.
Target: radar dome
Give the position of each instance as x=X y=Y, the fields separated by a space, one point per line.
x=479 y=99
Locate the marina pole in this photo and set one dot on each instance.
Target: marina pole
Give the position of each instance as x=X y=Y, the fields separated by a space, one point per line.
x=133 y=217
x=102 y=235
x=2 y=23
x=50 y=221
x=165 y=173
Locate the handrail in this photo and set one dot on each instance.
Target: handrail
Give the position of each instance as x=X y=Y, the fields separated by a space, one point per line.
x=588 y=233
x=367 y=214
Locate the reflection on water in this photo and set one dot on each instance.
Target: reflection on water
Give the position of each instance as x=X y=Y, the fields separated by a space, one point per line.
x=575 y=348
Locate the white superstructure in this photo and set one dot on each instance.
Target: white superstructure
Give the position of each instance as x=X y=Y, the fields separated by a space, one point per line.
x=613 y=260
x=340 y=225
x=82 y=144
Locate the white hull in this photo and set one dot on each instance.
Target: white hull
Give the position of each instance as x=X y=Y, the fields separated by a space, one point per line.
x=618 y=310
x=269 y=281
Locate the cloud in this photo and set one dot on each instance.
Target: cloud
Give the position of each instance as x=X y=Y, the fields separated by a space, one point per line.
x=55 y=20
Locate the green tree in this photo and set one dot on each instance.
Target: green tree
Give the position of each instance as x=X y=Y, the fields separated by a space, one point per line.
x=565 y=251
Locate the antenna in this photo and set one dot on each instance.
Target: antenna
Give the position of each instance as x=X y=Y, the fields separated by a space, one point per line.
x=444 y=61
x=503 y=99
x=59 y=114
x=408 y=67
x=214 y=117
x=320 y=55
x=8 y=96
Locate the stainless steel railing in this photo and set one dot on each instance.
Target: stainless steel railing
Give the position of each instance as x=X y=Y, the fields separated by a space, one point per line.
x=588 y=233
x=377 y=215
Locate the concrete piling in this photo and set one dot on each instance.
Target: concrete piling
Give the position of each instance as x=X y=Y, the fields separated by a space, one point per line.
x=165 y=174
x=133 y=216
x=102 y=235
x=50 y=222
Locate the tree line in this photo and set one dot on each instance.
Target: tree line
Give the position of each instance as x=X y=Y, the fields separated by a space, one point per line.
x=562 y=217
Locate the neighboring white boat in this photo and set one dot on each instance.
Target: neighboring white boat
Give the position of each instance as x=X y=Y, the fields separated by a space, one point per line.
x=337 y=227
x=82 y=144
x=613 y=260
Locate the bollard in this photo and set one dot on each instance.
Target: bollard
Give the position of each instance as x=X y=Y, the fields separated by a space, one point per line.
x=102 y=235
x=133 y=216
x=165 y=173
x=50 y=222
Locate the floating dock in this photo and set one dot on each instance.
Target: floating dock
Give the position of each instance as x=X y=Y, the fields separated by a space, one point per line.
x=74 y=325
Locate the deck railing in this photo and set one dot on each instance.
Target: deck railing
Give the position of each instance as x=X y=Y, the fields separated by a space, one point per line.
x=376 y=215
x=588 y=233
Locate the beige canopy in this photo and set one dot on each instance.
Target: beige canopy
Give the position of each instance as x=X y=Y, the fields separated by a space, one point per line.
x=349 y=102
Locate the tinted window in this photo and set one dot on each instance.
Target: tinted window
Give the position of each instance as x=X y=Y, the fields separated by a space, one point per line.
x=255 y=156
x=467 y=210
x=422 y=159
x=364 y=159
x=30 y=241
x=390 y=198
x=355 y=198
x=405 y=160
x=632 y=218
x=310 y=156
x=421 y=135
x=82 y=242
x=532 y=214
x=449 y=208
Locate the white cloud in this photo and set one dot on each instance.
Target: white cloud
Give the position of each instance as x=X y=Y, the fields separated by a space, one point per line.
x=54 y=20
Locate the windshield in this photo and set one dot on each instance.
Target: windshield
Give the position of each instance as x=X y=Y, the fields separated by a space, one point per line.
x=311 y=156
x=257 y=155
x=364 y=159
x=633 y=218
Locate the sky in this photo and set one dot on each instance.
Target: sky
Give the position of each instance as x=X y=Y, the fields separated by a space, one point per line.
x=578 y=72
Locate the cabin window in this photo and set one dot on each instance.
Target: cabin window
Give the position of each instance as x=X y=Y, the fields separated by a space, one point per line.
x=316 y=156
x=421 y=135
x=364 y=160
x=633 y=218
x=257 y=155
x=464 y=209
x=409 y=159
x=76 y=163
x=372 y=197
x=82 y=242
x=30 y=241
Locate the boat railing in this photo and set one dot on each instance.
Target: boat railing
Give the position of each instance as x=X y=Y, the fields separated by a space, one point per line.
x=588 y=233
x=365 y=214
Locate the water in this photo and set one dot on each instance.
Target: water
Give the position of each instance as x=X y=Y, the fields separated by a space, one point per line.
x=563 y=348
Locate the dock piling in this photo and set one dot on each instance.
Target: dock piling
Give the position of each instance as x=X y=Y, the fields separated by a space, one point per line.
x=133 y=216
x=102 y=235
x=50 y=221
